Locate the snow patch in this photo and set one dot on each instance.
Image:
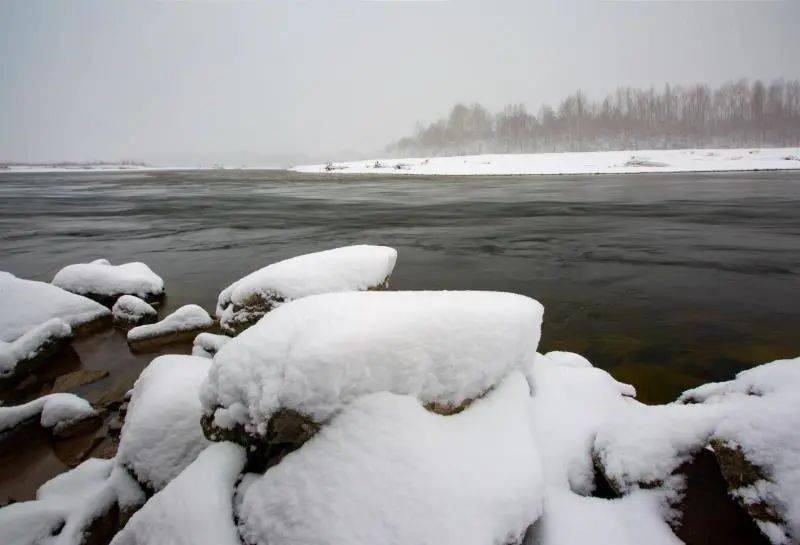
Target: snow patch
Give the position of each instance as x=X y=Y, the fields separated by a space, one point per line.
x=30 y=344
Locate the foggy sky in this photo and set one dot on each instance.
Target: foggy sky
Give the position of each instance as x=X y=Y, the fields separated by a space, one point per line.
x=183 y=82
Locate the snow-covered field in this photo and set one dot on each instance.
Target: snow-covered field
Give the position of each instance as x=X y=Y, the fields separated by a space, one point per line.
x=596 y=162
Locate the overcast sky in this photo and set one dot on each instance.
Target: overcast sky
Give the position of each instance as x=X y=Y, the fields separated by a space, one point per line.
x=190 y=81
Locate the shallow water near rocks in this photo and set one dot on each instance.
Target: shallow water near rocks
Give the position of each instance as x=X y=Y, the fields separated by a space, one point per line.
x=667 y=281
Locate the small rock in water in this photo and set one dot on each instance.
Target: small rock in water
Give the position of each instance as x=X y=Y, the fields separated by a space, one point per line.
x=350 y=268
x=20 y=357
x=182 y=325
x=130 y=311
x=105 y=283
x=67 y=382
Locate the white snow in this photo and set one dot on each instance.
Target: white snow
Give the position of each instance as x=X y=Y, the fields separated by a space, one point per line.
x=54 y=411
x=31 y=343
x=596 y=162
x=207 y=344
x=101 y=278
x=72 y=499
x=162 y=433
x=571 y=400
x=387 y=471
x=317 y=353
x=636 y=519
x=349 y=268
x=186 y=318
x=131 y=308
x=759 y=411
x=193 y=509
x=26 y=304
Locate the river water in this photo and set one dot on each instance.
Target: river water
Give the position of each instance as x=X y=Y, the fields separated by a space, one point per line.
x=667 y=281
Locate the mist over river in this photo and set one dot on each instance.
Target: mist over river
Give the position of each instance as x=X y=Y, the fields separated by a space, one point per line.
x=667 y=281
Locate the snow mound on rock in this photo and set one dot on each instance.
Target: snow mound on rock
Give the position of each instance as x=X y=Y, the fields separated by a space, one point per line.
x=131 y=309
x=385 y=470
x=186 y=318
x=54 y=410
x=571 y=400
x=350 y=268
x=100 y=278
x=162 y=433
x=207 y=344
x=32 y=343
x=26 y=304
x=318 y=353
x=193 y=509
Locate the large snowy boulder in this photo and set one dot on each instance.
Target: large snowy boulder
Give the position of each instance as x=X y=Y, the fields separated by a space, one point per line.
x=385 y=470
x=104 y=282
x=180 y=326
x=130 y=311
x=299 y=365
x=350 y=268
x=195 y=508
x=26 y=304
x=162 y=433
x=28 y=352
x=750 y=426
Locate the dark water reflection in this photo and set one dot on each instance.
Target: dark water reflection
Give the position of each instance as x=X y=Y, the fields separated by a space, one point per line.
x=665 y=280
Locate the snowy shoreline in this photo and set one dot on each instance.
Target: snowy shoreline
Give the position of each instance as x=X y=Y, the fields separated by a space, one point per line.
x=594 y=162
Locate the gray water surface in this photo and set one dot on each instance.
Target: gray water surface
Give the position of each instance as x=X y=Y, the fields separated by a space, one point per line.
x=665 y=280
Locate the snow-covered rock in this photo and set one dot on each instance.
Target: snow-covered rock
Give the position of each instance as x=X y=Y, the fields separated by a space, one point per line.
x=130 y=311
x=182 y=325
x=27 y=352
x=350 y=268
x=58 y=412
x=26 y=304
x=104 y=282
x=193 y=509
x=162 y=433
x=385 y=470
x=67 y=506
x=314 y=355
x=749 y=423
x=207 y=344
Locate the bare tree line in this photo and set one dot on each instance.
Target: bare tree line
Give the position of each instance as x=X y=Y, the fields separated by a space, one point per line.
x=737 y=114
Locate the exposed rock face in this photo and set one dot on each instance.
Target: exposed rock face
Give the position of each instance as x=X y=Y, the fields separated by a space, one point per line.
x=183 y=325
x=740 y=474
x=287 y=430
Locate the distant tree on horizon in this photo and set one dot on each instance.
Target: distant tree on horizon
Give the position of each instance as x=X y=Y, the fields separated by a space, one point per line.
x=737 y=114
